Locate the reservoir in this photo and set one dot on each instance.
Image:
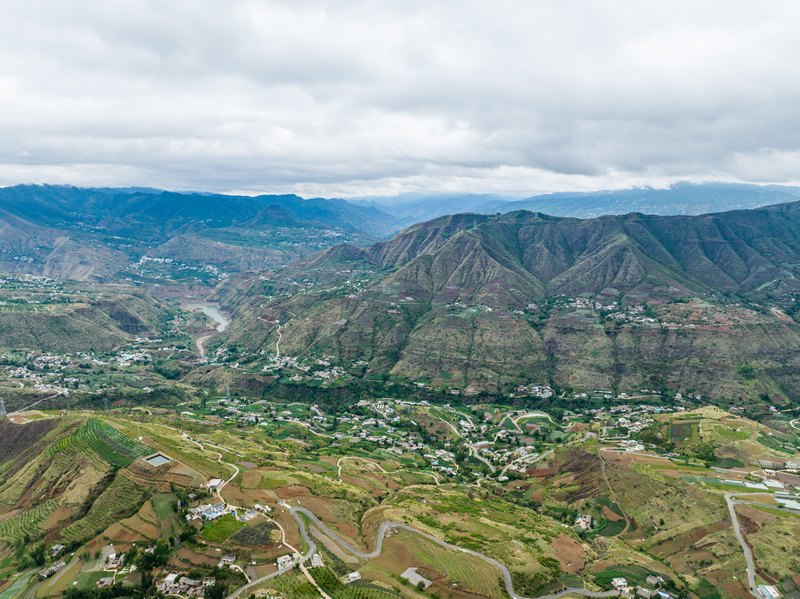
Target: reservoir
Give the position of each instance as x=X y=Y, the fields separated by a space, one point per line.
x=213 y=313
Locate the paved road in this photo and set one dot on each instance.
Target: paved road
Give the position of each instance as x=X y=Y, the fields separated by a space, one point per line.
x=389 y=525
x=36 y=403
x=748 y=555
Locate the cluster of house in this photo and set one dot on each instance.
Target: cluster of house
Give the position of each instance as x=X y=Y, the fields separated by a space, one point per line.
x=113 y=560
x=176 y=584
x=207 y=511
x=784 y=473
x=653 y=588
x=631 y=445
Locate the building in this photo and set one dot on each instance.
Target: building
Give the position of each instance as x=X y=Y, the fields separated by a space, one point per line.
x=655 y=581
x=175 y=584
x=316 y=561
x=353 y=576
x=48 y=572
x=412 y=576
x=768 y=591
x=227 y=560
x=284 y=562
x=620 y=584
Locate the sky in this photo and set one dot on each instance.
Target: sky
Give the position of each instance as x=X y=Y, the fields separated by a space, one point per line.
x=353 y=98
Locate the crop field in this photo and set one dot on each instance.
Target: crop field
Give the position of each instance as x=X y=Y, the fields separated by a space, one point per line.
x=682 y=431
x=296 y=586
x=469 y=573
x=110 y=444
x=15 y=589
x=634 y=574
x=218 y=531
x=27 y=523
x=120 y=499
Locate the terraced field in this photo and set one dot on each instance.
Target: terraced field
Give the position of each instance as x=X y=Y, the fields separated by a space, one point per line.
x=110 y=444
x=119 y=499
x=27 y=523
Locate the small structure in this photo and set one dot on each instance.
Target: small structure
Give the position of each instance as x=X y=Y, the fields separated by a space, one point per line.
x=353 y=576
x=48 y=572
x=584 y=521
x=621 y=584
x=158 y=459
x=412 y=576
x=106 y=582
x=316 y=561
x=227 y=560
x=214 y=484
x=56 y=549
x=284 y=562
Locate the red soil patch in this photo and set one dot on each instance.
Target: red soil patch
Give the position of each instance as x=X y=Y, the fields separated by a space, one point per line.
x=58 y=517
x=291 y=492
x=611 y=515
x=569 y=554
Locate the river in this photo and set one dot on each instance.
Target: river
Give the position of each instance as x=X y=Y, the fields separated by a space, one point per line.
x=214 y=314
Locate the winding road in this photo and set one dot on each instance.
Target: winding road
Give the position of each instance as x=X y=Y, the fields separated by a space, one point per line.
x=389 y=525
x=386 y=527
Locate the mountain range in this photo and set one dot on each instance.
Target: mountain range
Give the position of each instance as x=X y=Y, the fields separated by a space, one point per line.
x=469 y=302
x=97 y=234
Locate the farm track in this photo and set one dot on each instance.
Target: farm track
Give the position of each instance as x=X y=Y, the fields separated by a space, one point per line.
x=748 y=554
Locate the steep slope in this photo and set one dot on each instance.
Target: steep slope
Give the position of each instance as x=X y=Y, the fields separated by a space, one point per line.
x=491 y=302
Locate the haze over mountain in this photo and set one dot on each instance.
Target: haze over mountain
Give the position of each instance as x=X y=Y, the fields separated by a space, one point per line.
x=680 y=198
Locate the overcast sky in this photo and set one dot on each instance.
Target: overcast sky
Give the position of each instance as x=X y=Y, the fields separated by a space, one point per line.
x=354 y=98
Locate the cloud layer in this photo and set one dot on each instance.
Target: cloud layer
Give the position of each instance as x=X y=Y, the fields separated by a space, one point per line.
x=366 y=97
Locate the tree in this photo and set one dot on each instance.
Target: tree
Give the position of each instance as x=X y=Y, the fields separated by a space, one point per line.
x=215 y=591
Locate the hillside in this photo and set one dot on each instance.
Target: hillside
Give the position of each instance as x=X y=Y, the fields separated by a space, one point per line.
x=471 y=302
x=104 y=234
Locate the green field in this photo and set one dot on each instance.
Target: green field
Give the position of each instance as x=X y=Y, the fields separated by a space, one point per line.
x=220 y=529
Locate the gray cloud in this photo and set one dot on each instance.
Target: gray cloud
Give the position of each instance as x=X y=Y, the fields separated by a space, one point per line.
x=363 y=97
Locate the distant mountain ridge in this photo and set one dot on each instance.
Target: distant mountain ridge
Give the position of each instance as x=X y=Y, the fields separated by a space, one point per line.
x=679 y=199
x=94 y=234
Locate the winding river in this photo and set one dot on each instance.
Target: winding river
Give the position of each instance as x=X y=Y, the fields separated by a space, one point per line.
x=214 y=314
